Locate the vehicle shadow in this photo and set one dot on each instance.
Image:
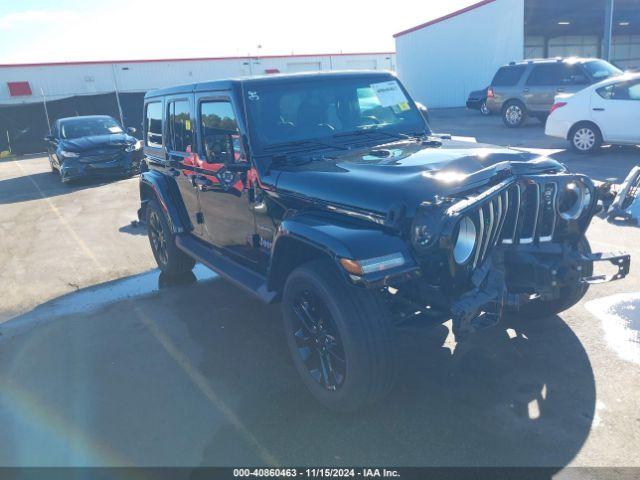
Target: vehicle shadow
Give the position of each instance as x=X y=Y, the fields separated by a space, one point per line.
x=518 y=397
x=43 y=185
x=134 y=228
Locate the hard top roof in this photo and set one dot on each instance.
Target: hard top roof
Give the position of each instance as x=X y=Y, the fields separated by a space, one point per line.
x=228 y=84
x=528 y=61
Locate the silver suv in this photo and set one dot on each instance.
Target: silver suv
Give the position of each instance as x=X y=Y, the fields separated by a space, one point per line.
x=528 y=88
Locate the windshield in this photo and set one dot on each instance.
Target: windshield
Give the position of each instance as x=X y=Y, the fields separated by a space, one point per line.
x=328 y=110
x=599 y=69
x=87 y=127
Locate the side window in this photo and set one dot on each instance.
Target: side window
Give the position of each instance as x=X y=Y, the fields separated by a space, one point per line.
x=621 y=91
x=220 y=135
x=547 y=74
x=508 y=76
x=153 y=124
x=180 y=132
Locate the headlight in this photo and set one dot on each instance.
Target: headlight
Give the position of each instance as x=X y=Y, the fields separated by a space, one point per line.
x=465 y=241
x=573 y=200
x=134 y=147
x=68 y=154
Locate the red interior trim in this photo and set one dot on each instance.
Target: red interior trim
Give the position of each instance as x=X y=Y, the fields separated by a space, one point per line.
x=258 y=57
x=446 y=17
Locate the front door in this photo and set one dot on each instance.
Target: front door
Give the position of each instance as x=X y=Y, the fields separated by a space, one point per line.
x=223 y=187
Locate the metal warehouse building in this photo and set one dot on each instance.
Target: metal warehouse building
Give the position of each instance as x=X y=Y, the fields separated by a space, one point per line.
x=83 y=88
x=443 y=60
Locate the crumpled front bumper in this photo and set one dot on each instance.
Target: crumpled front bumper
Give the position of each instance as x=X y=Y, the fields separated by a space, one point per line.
x=507 y=282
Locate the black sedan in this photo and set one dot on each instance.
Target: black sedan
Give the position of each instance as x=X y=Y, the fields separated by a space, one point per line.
x=91 y=146
x=478 y=101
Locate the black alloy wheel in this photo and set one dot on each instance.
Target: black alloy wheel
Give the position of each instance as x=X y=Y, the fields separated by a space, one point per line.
x=318 y=341
x=156 y=235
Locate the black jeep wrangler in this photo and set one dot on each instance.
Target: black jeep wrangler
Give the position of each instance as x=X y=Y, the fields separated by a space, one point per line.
x=328 y=192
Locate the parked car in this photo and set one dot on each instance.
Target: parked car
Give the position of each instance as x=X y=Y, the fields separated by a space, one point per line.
x=93 y=145
x=607 y=112
x=342 y=205
x=478 y=101
x=528 y=88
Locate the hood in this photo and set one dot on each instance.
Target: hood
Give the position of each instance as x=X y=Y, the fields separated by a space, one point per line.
x=407 y=174
x=98 y=142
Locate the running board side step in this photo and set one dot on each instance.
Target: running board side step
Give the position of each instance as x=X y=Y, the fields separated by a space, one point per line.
x=237 y=274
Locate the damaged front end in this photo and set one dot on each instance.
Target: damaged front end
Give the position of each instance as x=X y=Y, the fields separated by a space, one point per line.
x=504 y=247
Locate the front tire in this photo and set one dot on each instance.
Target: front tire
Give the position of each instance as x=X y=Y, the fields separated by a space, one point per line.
x=569 y=296
x=585 y=138
x=340 y=337
x=170 y=259
x=514 y=114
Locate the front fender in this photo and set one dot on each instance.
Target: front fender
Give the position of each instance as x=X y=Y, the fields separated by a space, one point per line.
x=342 y=239
x=156 y=186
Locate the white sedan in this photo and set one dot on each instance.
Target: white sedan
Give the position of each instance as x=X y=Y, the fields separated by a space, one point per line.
x=606 y=112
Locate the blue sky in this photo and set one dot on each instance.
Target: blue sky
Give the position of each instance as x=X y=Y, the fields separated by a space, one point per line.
x=67 y=30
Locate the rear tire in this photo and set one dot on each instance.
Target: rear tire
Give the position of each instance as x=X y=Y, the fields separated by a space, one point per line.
x=585 y=138
x=170 y=259
x=514 y=114
x=484 y=110
x=569 y=296
x=318 y=305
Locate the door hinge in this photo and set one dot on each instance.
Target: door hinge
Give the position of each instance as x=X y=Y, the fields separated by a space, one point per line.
x=199 y=217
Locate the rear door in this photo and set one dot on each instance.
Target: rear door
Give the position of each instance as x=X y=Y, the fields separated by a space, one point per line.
x=547 y=80
x=616 y=110
x=180 y=144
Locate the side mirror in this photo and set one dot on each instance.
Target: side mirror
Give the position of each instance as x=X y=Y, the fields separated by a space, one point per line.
x=210 y=155
x=49 y=138
x=131 y=130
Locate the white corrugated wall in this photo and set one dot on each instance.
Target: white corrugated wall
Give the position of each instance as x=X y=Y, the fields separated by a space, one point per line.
x=60 y=81
x=441 y=63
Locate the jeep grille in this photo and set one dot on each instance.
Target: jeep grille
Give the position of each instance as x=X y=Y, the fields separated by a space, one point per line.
x=523 y=212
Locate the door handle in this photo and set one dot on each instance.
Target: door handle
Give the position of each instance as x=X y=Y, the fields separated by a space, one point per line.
x=560 y=90
x=598 y=109
x=201 y=182
x=526 y=90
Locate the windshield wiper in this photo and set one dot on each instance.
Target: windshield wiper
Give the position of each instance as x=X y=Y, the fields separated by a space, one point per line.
x=303 y=143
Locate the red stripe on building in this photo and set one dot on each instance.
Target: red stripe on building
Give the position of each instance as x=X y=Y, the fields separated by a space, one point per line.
x=446 y=17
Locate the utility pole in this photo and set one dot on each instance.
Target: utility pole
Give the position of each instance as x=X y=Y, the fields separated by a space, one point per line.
x=608 y=29
x=46 y=112
x=115 y=86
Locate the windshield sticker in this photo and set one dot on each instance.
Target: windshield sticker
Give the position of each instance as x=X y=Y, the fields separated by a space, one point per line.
x=253 y=96
x=390 y=95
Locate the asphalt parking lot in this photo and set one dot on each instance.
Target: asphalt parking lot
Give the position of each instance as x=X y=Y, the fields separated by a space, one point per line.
x=105 y=362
